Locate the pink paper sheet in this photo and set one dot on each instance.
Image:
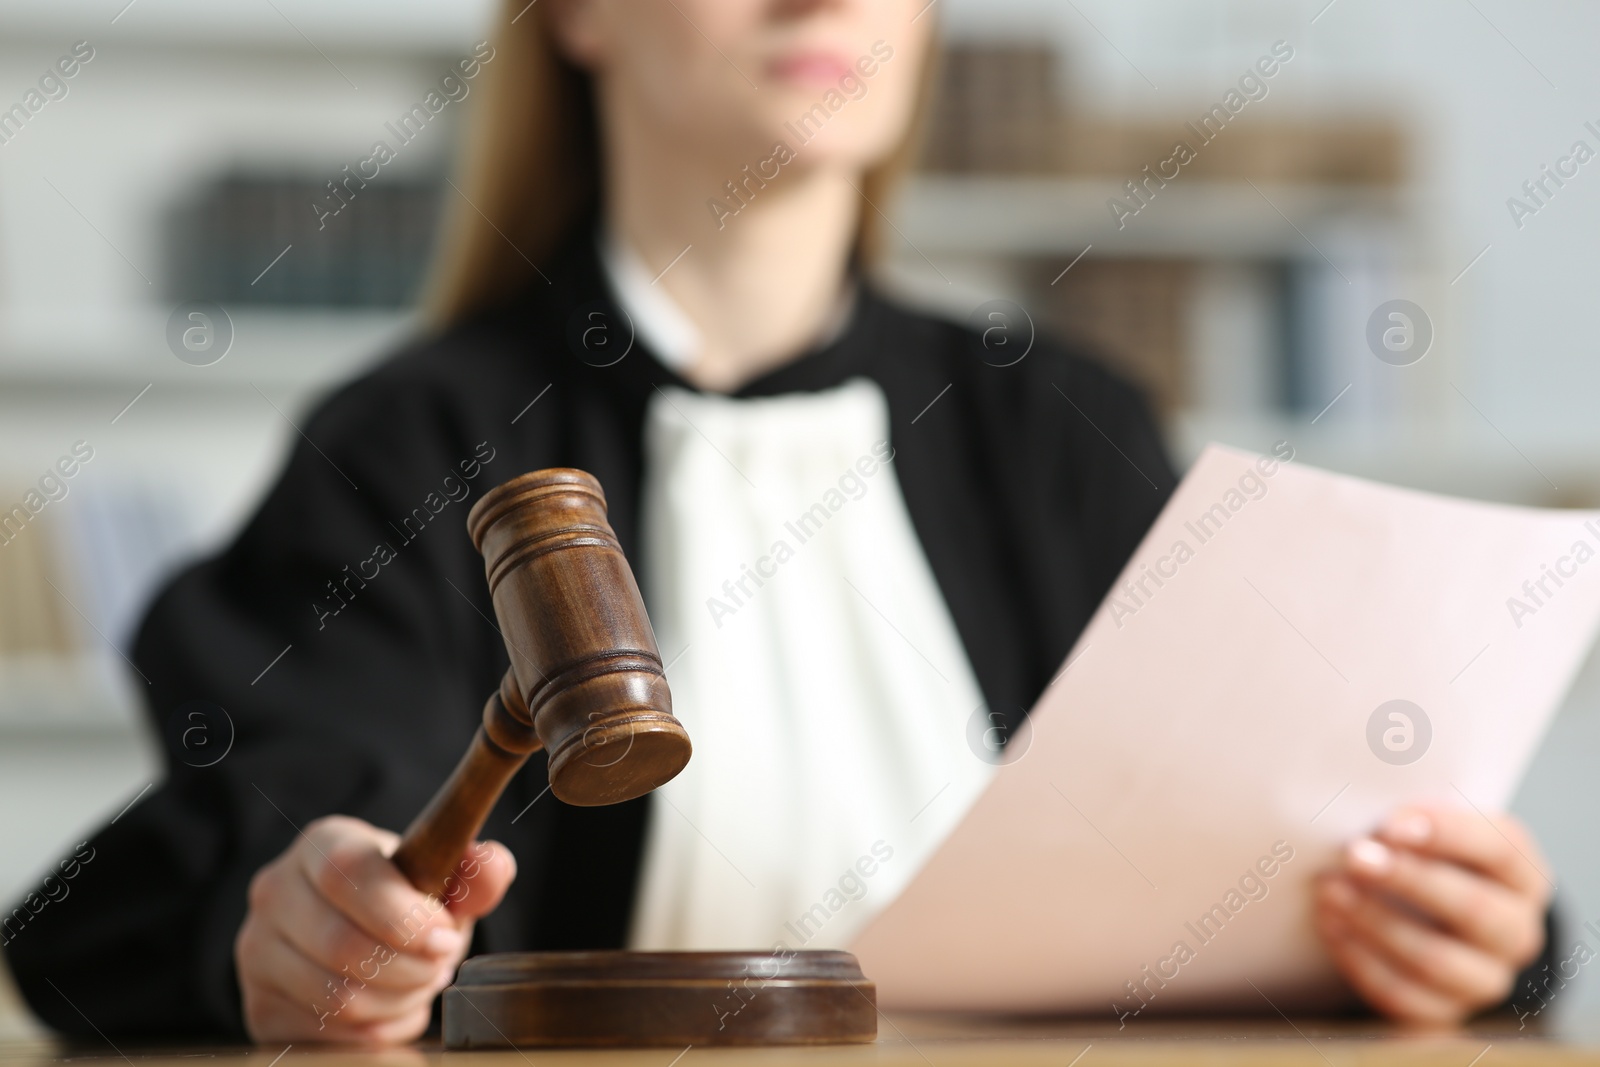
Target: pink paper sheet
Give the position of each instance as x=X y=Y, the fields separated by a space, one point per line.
x=1222 y=706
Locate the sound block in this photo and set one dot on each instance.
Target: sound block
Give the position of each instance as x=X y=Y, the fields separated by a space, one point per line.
x=593 y=999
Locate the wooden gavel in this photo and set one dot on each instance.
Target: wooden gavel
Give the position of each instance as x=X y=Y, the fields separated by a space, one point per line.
x=585 y=682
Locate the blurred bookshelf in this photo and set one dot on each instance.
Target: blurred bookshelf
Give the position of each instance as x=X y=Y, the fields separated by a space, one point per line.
x=1237 y=294
x=1021 y=186
x=185 y=159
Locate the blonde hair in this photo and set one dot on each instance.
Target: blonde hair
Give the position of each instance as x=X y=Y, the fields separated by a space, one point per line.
x=531 y=171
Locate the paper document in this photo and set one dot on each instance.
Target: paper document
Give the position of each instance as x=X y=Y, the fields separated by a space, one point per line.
x=1289 y=655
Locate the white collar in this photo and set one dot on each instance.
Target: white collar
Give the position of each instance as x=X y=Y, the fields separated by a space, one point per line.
x=658 y=321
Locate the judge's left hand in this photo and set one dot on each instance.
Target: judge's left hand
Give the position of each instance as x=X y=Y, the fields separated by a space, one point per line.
x=1431 y=918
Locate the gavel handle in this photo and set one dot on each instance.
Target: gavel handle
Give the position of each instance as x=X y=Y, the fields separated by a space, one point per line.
x=433 y=845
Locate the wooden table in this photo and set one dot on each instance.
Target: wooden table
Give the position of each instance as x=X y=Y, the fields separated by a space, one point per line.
x=919 y=1041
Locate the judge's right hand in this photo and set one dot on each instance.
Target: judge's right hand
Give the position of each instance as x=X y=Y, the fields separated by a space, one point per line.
x=338 y=946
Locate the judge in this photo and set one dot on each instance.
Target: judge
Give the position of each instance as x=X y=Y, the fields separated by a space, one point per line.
x=858 y=528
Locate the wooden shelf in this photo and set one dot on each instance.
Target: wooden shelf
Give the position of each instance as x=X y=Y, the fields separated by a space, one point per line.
x=1008 y=216
x=277 y=349
x=68 y=695
x=352 y=25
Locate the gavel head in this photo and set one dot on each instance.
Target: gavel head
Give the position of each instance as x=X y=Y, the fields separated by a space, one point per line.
x=587 y=674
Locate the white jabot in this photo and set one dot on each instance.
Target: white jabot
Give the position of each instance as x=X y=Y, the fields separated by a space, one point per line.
x=814 y=663
x=658 y=321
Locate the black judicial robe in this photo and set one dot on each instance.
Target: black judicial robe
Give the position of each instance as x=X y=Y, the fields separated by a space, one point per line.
x=1027 y=501
x=354 y=674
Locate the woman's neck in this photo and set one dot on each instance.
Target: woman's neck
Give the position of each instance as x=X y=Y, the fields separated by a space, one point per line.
x=761 y=285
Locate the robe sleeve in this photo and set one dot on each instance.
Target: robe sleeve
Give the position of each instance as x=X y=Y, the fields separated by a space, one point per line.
x=352 y=698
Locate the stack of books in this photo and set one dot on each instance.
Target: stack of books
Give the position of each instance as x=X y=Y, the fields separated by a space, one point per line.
x=350 y=246
x=994 y=109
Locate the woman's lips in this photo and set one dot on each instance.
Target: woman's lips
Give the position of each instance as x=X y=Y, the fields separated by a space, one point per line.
x=810 y=69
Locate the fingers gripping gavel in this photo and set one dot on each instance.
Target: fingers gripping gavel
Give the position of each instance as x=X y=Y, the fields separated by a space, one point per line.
x=585 y=683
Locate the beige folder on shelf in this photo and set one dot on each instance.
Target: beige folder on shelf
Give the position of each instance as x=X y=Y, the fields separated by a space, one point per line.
x=1289 y=655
